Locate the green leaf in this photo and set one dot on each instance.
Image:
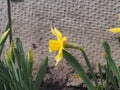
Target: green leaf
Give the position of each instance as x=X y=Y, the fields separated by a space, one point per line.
x=14 y=71
x=90 y=67
x=100 y=74
x=11 y=51
x=78 y=47
x=5 y=78
x=110 y=61
x=113 y=66
x=19 y=46
x=4 y=37
x=111 y=78
x=1 y=49
x=41 y=73
x=22 y=67
x=17 y=56
x=29 y=79
x=18 y=84
x=78 y=68
x=7 y=58
x=4 y=74
x=106 y=47
x=4 y=69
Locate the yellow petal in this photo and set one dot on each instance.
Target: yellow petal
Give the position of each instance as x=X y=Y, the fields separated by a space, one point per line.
x=57 y=45
x=58 y=57
x=115 y=30
x=64 y=38
x=57 y=33
x=54 y=45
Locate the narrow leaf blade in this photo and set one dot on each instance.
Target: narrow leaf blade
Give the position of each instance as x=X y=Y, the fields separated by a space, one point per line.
x=41 y=73
x=78 y=68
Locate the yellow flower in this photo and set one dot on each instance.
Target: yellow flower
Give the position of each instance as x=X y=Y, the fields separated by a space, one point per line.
x=115 y=30
x=57 y=45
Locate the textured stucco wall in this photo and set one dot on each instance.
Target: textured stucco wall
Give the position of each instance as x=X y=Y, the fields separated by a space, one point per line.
x=82 y=21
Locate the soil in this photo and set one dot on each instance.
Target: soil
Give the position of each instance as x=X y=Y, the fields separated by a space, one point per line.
x=59 y=79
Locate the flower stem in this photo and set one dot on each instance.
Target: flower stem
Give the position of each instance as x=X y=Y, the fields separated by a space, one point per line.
x=9 y=19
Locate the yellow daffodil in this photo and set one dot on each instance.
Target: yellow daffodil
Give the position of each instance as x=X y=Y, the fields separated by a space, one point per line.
x=57 y=45
x=115 y=30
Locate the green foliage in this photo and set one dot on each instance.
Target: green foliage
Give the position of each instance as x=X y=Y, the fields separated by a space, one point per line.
x=3 y=39
x=112 y=71
x=16 y=69
x=78 y=68
x=112 y=67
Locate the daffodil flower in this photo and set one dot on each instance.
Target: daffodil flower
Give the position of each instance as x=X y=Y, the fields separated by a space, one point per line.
x=57 y=45
x=115 y=30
